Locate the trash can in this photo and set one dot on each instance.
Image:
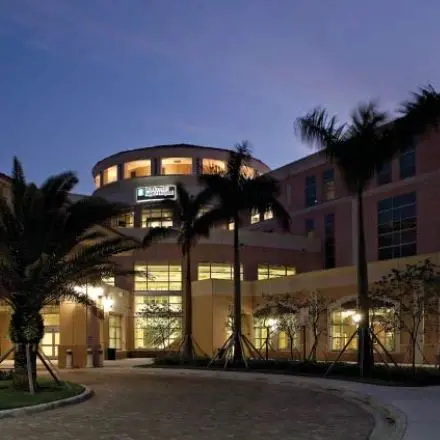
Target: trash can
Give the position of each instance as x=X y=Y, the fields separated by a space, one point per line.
x=111 y=354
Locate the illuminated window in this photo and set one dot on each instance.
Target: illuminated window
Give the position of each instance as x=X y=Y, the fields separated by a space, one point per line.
x=176 y=166
x=276 y=340
x=231 y=226
x=158 y=321
x=158 y=278
x=268 y=215
x=217 y=271
x=255 y=216
x=343 y=325
x=115 y=332
x=109 y=280
x=137 y=168
x=51 y=319
x=266 y=272
x=213 y=166
x=260 y=334
x=123 y=221
x=157 y=217
x=110 y=175
x=248 y=172
x=98 y=180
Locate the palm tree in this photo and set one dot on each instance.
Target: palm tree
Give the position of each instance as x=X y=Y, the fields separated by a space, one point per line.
x=236 y=194
x=191 y=222
x=360 y=148
x=48 y=246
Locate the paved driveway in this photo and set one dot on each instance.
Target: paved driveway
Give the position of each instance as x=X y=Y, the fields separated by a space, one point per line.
x=130 y=405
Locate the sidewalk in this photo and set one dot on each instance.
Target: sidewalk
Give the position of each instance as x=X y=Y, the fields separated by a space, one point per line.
x=419 y=405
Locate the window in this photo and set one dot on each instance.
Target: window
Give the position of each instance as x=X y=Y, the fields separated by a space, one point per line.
x=176 y=166
x=213 y=166
x=255 y=216
x=157 y=217
x=97 y=181
x=158 y=321
x=275 y=339
x=123 y=221
x=310 y=191
x=268 y=215
x=310 y=227
x=384 y=176
x=266 y=272
x=217 y=271
x=328 y=181
x=231 y=225
x=115 y=331
x=407 y=162
x=157 y=277
x=261 y=333
x=248 y=172
x=329 y=241
x=397 y=227
x=110 y=175
x=343 y=325
x=109 y=280
x=137 y=168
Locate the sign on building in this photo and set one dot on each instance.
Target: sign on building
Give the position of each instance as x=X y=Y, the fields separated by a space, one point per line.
x=155 y=193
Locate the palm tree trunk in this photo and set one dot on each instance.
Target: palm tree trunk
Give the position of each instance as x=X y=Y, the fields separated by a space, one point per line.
x=187 y=348
x=20 y=379
x=238 y=353
x=365 y=355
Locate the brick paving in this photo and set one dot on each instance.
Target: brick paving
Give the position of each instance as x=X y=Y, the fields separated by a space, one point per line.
x=135 y=406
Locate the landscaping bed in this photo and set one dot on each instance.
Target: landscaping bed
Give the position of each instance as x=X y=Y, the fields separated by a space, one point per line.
x=48 y=391
x=380 y=375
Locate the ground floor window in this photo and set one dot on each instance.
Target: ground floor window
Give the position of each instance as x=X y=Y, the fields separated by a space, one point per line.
x=115 y=332
x=344 y=323
x=267 y=332
x=158 y=321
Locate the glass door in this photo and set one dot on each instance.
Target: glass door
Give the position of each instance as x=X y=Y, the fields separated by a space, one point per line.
x=51 y=340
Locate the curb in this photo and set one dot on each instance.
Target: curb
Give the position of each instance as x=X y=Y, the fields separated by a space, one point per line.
x=26 y=410
x=389 y=422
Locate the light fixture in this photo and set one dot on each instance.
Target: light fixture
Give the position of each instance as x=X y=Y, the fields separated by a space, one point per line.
x=107 y=303
x=272 y=324
x=357 y=317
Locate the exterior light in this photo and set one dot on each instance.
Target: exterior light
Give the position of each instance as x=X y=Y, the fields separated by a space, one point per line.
x=272 y=323
x=107 y=303
x=357 y=317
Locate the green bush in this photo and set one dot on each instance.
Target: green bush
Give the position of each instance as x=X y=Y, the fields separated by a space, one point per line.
x=380 y=374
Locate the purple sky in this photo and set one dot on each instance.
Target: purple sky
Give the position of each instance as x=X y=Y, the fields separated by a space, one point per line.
x=82 y=79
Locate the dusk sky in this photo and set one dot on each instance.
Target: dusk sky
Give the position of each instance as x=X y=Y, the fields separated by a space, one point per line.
x=83 y=79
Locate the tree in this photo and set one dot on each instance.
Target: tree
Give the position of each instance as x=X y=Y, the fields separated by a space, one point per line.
x=315 y=305
x=415 y=292
x=190 y=222
x=49 y=245
x=360 y=148
x=162 y=323
x=283 y=309
x=237 y=194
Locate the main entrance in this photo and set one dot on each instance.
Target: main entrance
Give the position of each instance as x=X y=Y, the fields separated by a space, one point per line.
x=51 y=340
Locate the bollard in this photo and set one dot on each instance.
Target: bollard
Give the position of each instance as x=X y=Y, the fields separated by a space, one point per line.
x=69 y=359
x=89 y=358
x=100 y=357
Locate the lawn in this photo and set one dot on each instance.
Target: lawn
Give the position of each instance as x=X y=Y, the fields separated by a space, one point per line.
x=48 y=391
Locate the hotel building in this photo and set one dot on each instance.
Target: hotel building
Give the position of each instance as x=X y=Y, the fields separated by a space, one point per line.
x=318 y=253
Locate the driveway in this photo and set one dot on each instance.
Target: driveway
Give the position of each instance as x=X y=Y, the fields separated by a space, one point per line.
x=130 y=405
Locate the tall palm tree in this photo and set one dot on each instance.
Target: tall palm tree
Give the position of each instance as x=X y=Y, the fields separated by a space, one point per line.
x=237 y=193
x=360 y=148
x=191 y=222
x=49 y=245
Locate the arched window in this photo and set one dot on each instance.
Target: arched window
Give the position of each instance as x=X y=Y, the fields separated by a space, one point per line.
x=344 y=320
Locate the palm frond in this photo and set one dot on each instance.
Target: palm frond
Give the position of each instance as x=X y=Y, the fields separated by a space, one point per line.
x=318 y=129
x=156 y=234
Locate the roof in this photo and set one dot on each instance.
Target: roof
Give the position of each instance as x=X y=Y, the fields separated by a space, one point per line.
x=192 y=146
x=4 y=176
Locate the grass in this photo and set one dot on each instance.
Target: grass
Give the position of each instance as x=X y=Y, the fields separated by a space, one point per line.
x=48 y=391
x=381 y=374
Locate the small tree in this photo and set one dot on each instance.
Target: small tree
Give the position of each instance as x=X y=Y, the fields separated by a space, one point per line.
x=415 y=292
x=283 y=309
x=316 y=304
x=162 y=322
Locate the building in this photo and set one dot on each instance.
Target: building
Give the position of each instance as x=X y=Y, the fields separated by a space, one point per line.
x=318 y=253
